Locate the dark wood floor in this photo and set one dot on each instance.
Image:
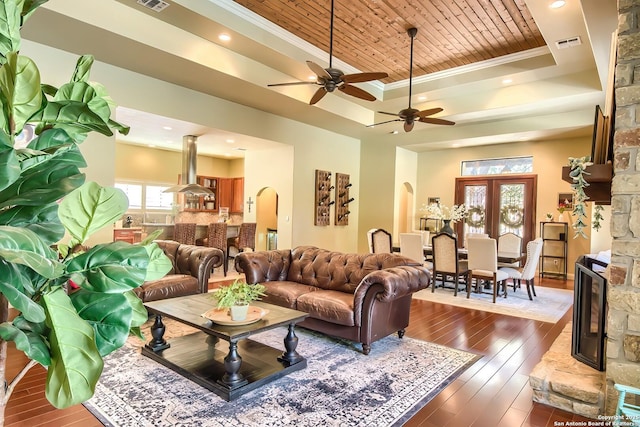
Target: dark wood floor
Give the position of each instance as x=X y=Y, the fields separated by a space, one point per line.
x=494 y=392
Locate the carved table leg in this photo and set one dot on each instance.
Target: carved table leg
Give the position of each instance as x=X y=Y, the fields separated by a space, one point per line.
x=157 y=343
x=291 y=356
x=232 y=377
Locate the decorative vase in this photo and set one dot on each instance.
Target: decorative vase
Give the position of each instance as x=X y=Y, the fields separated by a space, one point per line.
x=446 y=228
x=561 y=217
x=239 y=312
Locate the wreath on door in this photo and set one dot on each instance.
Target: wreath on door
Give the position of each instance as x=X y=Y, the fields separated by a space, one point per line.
x=512 y=216
x=475 y=216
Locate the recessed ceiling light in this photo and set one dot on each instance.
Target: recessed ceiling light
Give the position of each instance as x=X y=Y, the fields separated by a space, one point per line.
x=151 y=146
x=557 y=4
x=394 y=132
x=224 y=37
x=507 y=81
x=229 y=141
x=312 y=77
x=422 y=98
x=167 y=127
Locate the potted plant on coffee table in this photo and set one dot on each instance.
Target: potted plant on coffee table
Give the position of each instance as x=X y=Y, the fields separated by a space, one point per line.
x=237 y=296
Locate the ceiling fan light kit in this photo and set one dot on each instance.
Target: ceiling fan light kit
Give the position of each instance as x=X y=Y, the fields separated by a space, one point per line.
x=410 y=115
x=330 y=79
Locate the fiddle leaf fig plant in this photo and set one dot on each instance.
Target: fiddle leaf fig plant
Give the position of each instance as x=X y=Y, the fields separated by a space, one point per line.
x=74 y=305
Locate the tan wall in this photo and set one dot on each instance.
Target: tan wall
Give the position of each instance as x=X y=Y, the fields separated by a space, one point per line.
x=437 y=171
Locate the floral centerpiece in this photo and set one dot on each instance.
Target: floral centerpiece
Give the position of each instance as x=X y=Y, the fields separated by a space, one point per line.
x=447 y=214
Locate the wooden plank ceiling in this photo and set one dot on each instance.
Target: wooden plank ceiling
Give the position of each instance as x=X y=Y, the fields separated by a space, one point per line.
x=371 y=34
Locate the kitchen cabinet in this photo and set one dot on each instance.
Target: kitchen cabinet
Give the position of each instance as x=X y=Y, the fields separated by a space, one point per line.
x=231 y=194
x=553 y=259
x=129 y=235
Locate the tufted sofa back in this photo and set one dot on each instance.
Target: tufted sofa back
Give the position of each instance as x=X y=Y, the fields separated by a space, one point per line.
x=312 y=266
x=185 y=259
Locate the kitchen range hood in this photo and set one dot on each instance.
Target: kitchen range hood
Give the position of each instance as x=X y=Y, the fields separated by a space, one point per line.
x=189 y=159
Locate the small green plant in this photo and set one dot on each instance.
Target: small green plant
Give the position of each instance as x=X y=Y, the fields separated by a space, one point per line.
x=238 y=293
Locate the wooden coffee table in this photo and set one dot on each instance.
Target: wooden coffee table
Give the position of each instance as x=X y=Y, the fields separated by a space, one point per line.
x=212 y=357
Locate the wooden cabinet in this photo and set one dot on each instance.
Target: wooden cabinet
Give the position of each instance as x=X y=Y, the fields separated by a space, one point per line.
x=129 y=235
x=231 y=194
x=553 y=259
x=226 y=192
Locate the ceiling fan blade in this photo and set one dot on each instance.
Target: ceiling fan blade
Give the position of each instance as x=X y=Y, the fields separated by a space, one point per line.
x=318 y=70
x=292 y=83
x=363 y=77
x=382 y=123
x=435 y=121
x=389 y=114
x=408 y=126
x=320 y=93
x=428 y=112
x=357 y=92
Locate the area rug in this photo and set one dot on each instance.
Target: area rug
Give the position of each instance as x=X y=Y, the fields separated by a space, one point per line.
x=548 y=306
x=339 y=387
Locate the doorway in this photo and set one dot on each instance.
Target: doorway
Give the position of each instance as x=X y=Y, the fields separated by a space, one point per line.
x=266 y=219
x=405 y=209
x=498 y=205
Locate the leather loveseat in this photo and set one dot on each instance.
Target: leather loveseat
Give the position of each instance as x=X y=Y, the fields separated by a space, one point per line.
x=360 y=297
x=191 y=268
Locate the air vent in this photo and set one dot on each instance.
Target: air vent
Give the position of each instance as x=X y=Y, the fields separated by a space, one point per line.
x=157 y=5
x=570 y=42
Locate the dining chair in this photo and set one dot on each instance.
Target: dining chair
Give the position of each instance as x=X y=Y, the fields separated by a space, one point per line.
x=185 y=232
x=474 y=236
x=482 y=257
x=381 y=241
x=510 y=243
x=411 y=247
x=627 y=411
x=528 y=272
x=246 y=238
x=426 y=236
x=217 y=238
x=446 y=263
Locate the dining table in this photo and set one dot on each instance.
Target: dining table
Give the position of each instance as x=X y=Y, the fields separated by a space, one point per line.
x=503 y=257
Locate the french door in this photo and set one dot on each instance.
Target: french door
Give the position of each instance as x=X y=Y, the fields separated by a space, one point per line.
x=498 y=205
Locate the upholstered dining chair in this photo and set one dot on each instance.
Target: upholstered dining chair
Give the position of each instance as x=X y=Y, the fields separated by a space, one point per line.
x=528 y=272
x=381 y=241
x=483 y=262
x=510 y=243
x=444 y=249
x=217 y=238
x=468 y=236
x=246 y=238
x=411 y=247
x=185 y=232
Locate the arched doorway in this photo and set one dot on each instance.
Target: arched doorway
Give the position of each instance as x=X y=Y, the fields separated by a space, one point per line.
x=266 y=219
x=405 y=209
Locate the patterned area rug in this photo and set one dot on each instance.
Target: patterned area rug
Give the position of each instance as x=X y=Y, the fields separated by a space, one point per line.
x=339 y=387
x=548 y=306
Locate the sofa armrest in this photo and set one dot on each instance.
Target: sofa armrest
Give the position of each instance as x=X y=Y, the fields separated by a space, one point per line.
x=395 y=282
x=199 y=262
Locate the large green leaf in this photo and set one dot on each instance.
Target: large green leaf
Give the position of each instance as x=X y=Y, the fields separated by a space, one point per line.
x=42 y=220
x=90 y=208
x=112 y=267
x=14 y=286
x=76 y=364
x=32 y=344
x=46 y=181
x=22 y=246
x=73 y=116
x=20 y=85
x=109 y=314
x=50 y=138
x=140 y=314
x=9 y=165
x=29 y=7
x=10 y=22
x=159 y=263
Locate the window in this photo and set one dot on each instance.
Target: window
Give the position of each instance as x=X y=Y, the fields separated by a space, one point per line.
x=505 y=165
x=133 y=192
x=147 y=196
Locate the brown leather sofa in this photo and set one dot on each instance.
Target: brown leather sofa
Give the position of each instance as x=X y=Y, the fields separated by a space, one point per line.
x=360 y=297
x=191 y=268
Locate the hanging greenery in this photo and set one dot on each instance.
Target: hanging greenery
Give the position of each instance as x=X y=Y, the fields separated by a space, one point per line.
x=578 y=166
x=597 y=217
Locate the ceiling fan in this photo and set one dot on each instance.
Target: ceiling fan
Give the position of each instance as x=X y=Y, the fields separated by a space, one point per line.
x=410 y=115
x=331 y=78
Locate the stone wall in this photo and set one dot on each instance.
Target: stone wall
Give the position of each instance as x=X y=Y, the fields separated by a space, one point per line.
x=623 y=292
